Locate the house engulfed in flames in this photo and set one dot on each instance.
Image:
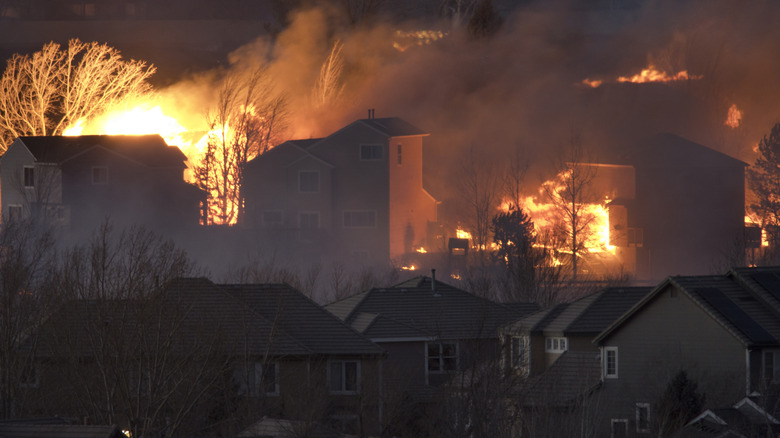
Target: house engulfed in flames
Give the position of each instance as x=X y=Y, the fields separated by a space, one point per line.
x=356 y=194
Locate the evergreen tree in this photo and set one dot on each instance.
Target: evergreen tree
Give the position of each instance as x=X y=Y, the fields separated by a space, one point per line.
x=764 y=180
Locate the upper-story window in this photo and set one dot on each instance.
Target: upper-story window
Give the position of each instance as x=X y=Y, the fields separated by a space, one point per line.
x=29 y=176
x=308 y=181
x=344 y=376
x=255 y=378
x=99 y=175
x=610 y=361
x=371 y=152
x=556 y=345
x=517 y=353
x=442 y=357
x=400 y=154
x=360 y=219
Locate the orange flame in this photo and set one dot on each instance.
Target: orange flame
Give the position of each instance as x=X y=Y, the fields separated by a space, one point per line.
x=734 y=117
x=649 y=74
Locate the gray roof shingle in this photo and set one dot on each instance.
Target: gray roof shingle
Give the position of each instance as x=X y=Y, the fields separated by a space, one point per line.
x=415 y=308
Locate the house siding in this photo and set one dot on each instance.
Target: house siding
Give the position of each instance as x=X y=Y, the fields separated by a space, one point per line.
x=671 y=333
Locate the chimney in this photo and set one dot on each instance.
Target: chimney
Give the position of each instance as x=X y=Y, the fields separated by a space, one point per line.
x=371 y=113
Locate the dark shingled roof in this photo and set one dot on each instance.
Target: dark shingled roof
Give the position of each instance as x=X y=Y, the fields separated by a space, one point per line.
x=415 y=308
x=736 y=300
x=303 y=319
x=573 y=375
x=271 y=318
x=670 y=150
x=394 y=127
x=588 y=315
x=148 y=150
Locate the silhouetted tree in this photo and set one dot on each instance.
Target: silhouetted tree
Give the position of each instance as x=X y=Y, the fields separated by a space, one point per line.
x=764 y=180
x=246 y=121
x=513 y=233
x=485 y=21
x=679 y=403
x=569 y=193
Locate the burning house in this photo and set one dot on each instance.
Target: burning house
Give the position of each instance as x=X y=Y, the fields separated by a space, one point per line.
x=355 y=194
x=76 y=182
x=676 y=206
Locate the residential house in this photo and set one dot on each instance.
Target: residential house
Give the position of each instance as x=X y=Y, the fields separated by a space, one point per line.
x=553 y=349
x=197 y=356
x=538 y=340
x=744 y=419
x=430 y=330
x=723 y=331
x=356 y=194
x=676 y=206
x=77 y=182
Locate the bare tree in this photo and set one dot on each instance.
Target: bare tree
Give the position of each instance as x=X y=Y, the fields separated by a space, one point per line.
x=248 y=119
x=328 y=87
x=570 y=194
x=480 y=189
x=54 y=88
x=27 y=254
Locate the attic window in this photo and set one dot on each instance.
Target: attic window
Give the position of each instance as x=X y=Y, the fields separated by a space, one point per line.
x=99 y=175
x=309 y=181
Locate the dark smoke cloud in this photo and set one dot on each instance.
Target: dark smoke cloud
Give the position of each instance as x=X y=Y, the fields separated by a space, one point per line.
x=521 y=88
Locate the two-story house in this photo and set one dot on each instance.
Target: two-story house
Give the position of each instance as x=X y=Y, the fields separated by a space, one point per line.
x=78 y=181
x=553 y=349
x=723 y=331
x=356 y=194
x=430 y=330
x=205 y=356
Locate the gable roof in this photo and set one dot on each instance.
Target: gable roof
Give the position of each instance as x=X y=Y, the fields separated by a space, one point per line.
x=669 y=150
x=424 y=308
x=149 y=150
x=588 y=315
x=260 y=319
x=302 y=319
x=726 y=299
x=393 y=127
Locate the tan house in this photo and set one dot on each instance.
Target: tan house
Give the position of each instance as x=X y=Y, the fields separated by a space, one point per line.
x=356 y=194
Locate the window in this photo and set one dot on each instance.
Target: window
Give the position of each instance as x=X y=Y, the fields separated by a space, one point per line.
x=442 y=357
x=99 y=175
x=344 y=376
x=400 y=155
x=371 y=152
x=308 y=222
x=272 y=217
x=518 y=353
x=308 y=181
x=254 y=379
x=29 y=177
x=610 y=362
x=359 y=219
x=556 y=345
x=643 y=417
x=619 y=428
x=14 y=213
